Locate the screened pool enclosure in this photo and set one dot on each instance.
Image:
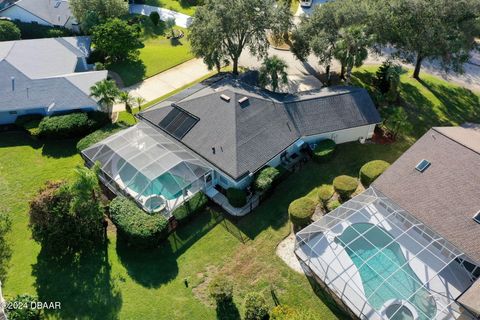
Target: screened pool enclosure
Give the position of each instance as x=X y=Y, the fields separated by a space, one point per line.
x=146 y=165
x=385 y=264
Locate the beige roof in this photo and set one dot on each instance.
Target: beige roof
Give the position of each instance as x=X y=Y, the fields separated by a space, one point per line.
x=446 y=195
x=468 y=135
x=471 y=298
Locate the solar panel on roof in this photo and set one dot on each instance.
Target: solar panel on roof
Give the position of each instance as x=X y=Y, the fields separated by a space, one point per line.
x=423 y=165
x=178 y=122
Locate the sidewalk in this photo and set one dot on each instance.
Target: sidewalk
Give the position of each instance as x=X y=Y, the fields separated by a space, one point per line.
x=166 y=81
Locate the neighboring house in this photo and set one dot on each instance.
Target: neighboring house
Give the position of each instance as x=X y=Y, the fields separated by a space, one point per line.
x=53 y=13
x=45 y=76
x=225 y=131
x=409 y=246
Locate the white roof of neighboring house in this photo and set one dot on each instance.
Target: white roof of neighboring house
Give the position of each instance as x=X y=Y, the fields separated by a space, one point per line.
x=41 y=73
x=55 y=12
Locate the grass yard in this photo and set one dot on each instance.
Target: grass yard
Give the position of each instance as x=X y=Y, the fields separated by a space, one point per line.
x=176 y=5
x=157 y=54
x=116 y=282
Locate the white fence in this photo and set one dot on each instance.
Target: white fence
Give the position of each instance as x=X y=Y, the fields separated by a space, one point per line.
x=181 y=20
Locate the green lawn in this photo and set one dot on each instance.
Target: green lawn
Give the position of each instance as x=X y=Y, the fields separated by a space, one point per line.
x=175 y=5
x=157 y=54
x=116 y=282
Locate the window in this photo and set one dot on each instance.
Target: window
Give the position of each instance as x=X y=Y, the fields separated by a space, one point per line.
x=476 y=217
x=423 y=165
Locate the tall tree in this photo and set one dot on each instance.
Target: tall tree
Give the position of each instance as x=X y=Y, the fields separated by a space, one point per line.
x=103 y=9
x=428 y=29
x=273 y=72
x=116 y=39
x=320 y=32
x=222 y=29
x=106 y=92
x=351 y=49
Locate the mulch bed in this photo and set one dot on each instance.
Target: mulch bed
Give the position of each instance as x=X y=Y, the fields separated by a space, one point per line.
x=381 y=136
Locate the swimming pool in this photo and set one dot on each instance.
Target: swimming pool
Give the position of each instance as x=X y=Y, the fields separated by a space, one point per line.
x=168 y=185
x=385 y=259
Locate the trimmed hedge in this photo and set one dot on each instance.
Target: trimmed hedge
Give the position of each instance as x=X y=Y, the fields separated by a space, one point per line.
x=332 y=205
x=372 y=170
x=325 y=192
x=37 y=31
x=196 y=204
x=301 y=211
x=136 y=227
x=266 y=179
x=71 y=125
x=345 y=186
x=99 y=135
x=29 y=122
x=324 y=151
x=236 y=197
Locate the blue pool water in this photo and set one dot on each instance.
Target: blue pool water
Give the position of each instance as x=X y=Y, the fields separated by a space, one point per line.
x=167 y=185
x=389 y=260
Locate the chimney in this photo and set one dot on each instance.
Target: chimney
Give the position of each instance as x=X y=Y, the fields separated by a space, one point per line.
x=13 y=83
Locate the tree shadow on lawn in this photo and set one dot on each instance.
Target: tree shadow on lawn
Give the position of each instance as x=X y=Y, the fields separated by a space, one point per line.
x=59 y=148
x=82 y=283
x=131 y=71
x=18 y=138
x=227 y=310
x=154 y=267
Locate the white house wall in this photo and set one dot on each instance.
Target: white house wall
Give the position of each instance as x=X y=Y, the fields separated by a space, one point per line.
x=17 y=13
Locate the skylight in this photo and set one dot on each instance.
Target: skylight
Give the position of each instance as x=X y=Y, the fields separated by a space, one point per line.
x=423 y=165
x=476 y=217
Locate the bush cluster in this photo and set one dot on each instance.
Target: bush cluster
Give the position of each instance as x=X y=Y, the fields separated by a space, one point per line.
x=9 y=31
x=236 y=197
x=71 y=125
x=24 y=313
x=345 y=186
x=194 y=205
x=325 y=192
x=136 y=227
x=324 y=151
x=99 y=135
x=37 y=31
x=29 y=122
x=266 y=179
x=332 y=205
x=372 y=170
x=221 y=290
x=301 y=211
x=255 y=307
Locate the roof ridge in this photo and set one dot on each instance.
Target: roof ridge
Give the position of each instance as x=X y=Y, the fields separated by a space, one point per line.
x=454 y=140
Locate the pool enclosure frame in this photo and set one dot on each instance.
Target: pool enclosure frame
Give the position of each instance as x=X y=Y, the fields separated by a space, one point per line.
x=318 y=248
x=141 y=155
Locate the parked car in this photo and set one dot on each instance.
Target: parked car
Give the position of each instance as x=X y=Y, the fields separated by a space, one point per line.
x=306 y=3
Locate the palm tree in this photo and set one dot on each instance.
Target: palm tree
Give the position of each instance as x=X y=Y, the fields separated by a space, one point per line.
x=273 y=72
x=139 y=101
x=127 y=99
x=106 y=92
x=351 y=50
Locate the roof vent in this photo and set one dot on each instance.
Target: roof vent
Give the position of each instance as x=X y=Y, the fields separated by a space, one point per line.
x=423 y=165
x=476 y=217
x=242 y=100
x=225 y=97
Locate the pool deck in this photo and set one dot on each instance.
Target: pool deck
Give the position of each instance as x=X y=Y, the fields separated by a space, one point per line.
x=329 y=261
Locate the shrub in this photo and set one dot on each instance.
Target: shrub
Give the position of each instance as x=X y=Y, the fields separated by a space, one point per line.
x=5 y=248
x=325 y=192
x=155 y=17
x=266 y=178
x=221 y=290
x=236 y=197
x=136 y=227
x=29 y=122
x=324 y=151
x=282 y=312
x=99 y=135
x=9 y=31
x=255 y=307
x=372 y=170
x=99 y=66
x=301 y=211
x=25 y=312
x=194 y=205
x=345 y=186
x=71 y=125
x=67 y=217
x=37 y=31
x=333 y=204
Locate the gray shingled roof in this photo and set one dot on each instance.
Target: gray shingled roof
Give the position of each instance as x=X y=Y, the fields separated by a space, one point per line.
x=447 y=194
x=55 y=12
x=43 y=72
x=246 y=136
